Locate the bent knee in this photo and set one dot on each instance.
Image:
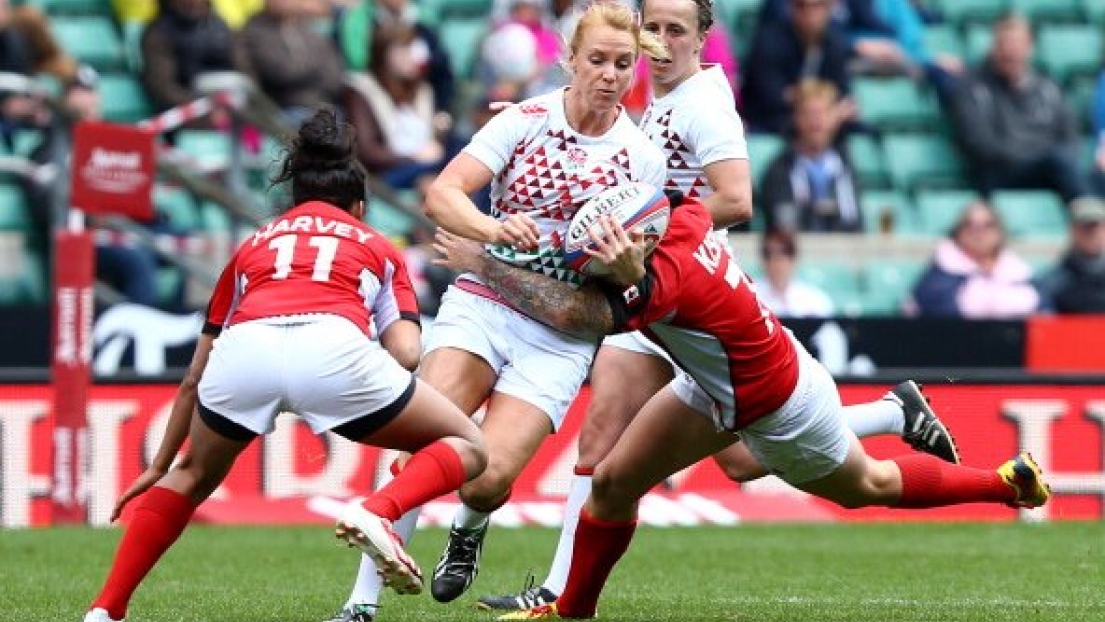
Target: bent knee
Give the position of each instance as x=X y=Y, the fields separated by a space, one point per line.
x=488 y=488
x=611 y=491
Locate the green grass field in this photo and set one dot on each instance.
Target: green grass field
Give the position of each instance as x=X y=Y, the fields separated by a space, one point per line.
x=870 y=572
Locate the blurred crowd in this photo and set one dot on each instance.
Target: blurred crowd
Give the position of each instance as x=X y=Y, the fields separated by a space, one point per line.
x=800 y=69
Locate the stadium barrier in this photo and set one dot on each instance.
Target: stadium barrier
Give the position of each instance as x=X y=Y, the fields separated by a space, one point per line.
x=292 y=476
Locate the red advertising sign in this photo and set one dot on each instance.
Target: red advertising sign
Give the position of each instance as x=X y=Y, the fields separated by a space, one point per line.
x=292 y=476
x=113 y=170
x=1066 y=343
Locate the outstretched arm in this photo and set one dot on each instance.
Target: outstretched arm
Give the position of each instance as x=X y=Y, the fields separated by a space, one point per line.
x=176 y=430
x=558 y=304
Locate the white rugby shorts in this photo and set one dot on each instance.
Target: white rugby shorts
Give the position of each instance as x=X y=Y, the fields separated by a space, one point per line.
x=636 y=342
x=807 y=439
x=534 y=363
x=321 y=367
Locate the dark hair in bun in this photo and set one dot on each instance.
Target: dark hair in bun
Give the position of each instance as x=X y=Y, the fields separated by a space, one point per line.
x=322 y=162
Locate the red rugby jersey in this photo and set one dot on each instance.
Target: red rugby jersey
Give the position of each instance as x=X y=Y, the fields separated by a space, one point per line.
x=697 y=304
x=315 y=258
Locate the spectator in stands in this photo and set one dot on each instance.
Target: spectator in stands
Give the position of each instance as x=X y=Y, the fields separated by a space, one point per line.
x=399 y=135
x=811 y=186
x=128 y=267
x=185 y=40
x=871 y=38
x=298 y=68
x=234 y=12
x=355 y=30
x=786 y=296
x=521 y=53
x=47 y=55
x=1013 y=123
x=940 y=70
x=928 y=13
x=1098 y=118
x=1077 y=283
x=16 y=109
x=439 y=71
x=565 y=16
x=974 y=275
x=782 y=54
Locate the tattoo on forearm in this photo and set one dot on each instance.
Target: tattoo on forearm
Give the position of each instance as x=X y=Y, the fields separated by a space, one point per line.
x=554 y=302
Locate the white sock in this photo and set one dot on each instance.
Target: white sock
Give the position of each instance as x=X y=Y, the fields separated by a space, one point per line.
x=467 y=518
x=874 y=418
x=369 y=584
x=562 y=562
x=367 y=587
x=404 y=527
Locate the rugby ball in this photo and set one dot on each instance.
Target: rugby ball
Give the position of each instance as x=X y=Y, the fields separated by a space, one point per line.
x=637 y=206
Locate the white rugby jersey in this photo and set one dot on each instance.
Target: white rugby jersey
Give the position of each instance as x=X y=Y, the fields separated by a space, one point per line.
x=545 y=169
x=695 y=125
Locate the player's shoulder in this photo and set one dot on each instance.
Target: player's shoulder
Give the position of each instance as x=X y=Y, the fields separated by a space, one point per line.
x=537 y=108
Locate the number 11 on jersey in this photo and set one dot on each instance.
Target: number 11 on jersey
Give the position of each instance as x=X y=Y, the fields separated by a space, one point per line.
x=285 y=252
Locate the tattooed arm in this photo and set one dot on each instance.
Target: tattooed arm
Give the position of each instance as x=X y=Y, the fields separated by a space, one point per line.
x=558 y=304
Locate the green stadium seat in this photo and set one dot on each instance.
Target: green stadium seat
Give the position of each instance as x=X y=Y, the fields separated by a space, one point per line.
x=838 y=280
x=1087 y=153
x=888 y=283
x=977 y=42
x=1031 y=213
x=901 y=215
x=960 y=12
x=1043 y=11
x=388 y=219
x=177 y=206
x=208 y=148
x=55 y=8
x=762 y=150
x=169 y=280
x=132 y=44
x=938 y=210
x=738 y=17
x=1069 y=51
x=91 y=39
x=124 y=98
x=452 y=9
x=1041 y=264
x=896 y=103
x=923 y=160
x=944 y=39
x=29 y=286
x=14 y=210
x=1095 y=11
x=463 y=39
x=866 y=156
x=25 y=141
x=214 y=218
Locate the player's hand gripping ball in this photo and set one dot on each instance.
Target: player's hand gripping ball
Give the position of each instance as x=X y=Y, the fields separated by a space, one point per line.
x=638 y=207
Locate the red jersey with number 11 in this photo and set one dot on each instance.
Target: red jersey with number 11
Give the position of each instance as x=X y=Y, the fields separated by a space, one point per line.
x=316 y=258
x=697 y=304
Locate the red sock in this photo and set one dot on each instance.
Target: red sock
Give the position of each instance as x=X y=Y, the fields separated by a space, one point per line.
x=598 y=547
x=929 y=482
x=159 y=518
x=430 y=473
